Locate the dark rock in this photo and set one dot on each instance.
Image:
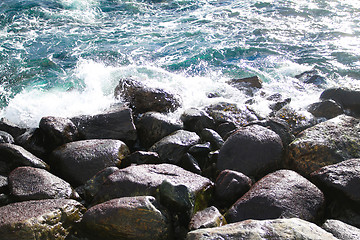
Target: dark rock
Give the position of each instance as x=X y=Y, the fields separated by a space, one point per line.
x=209 y=135
x=113 y=124
x=58 y=131
x=225 y=128
x=13 y=156
x=208 y=218
x=153 y=126
x=280 y=104
x=128 y=218
x=277 y=97
x=3 y=184
x=6 y=137
x=312 y=77
x=230 y=186
x=5 y=199
x=252 y=150
x=227 y=112
x=282 y=194
x=196 y=120
x=141 y=157
x=327 y=109
x=343 y=177
x=188 y=162
x=326 y=143
x=246 y=84
x=34 y=141
x=172 y=147
x=143 y=98
x=39 y=219
x=11 y=128
x=290 y=229
x=144 y=180
x=348 y=99
x=201 y=149
x=28 y=183
x=77 y=162
x=341 y=230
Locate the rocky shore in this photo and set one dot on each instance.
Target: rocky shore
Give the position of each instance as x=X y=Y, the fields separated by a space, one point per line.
x=221 y=172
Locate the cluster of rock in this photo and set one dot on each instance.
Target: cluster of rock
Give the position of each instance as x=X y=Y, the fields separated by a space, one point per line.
x=221 y=172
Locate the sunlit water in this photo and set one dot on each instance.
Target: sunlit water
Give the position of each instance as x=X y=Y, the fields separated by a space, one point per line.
x=65 y=57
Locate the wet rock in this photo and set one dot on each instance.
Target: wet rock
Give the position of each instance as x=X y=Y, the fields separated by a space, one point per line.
x=347 y=98
x=227 y=112
x=143 y=180
x=343 y=177
x=327 y=109
x=230 y=186
x=28 y=183
x=195 y=120
x=247 y=84
x=144 y=98
x=153 y=126
x=77 y=162
x=39 y=219
x=58 y=131
x=13 y=156
x=291 y=229
x=172 y=147
x=34 y=141
x=225 y=129
x=140 y=157
x=279 y=104
x=326 y=143
x=253 y=151
x=11 y=128
x=116 y=123
x=208 y=218
x=282 y=194
x=6 y=137
x=312 y=77
x=341 y=230
x=128 y=218
x=209 y=135
x=188 y=162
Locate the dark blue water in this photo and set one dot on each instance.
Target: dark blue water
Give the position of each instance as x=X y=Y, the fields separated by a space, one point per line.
x=64 y=57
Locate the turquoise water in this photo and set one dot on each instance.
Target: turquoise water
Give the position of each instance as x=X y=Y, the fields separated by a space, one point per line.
x=64 y=57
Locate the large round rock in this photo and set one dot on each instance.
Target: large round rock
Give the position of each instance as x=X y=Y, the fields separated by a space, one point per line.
x=283 y=193
x=39 y=219
x=253 y=151
x=28 y=183
x=128 y=218
x=77 y=162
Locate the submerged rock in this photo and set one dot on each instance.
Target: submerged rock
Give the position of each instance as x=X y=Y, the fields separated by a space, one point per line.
x=290 y=229
x=252 y=150
x=326 y=143
x=39 y=219
x=28 y=183
x=341 y=230
x=138 y=218
x=282 y=194
x=311 y=76
x=79 y=161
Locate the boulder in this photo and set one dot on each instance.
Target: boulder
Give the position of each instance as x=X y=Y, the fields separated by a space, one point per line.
x=141 y=157
x=77 y=162
x=116 y=123
x=311 y=76
x=58 y=131
x=327 y=109
x=195 y=120
x=39 y=219
x=282 y=194
x=3 y=184
x=247 y=84
x=343 y=177
x=144 y=98
x=225 y=129
x=290 y=229
x=11 y=128
x=253 y=151
x=209 y=135
x=153 y=126
x=28 y=183
x=172 y=147
x=347 y=98
x=341 y=230
x=146 y=179
x=326 y=143
x=188 y=162
x=230 y=186
x=208 y=218
x=34 y=141
x=13 y=156
x=6 y=137
x=128 y=218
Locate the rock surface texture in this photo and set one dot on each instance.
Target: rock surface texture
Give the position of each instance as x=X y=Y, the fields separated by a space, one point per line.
x=341 y=230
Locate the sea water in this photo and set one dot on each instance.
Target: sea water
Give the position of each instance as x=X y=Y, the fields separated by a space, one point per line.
x=65 y=57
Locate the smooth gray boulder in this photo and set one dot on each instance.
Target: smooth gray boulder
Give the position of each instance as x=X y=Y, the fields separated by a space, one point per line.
x=138 y=218
x=341 y=230
x=39 y=219
x=207 y=218
x=77 y=162
x=290 y=229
